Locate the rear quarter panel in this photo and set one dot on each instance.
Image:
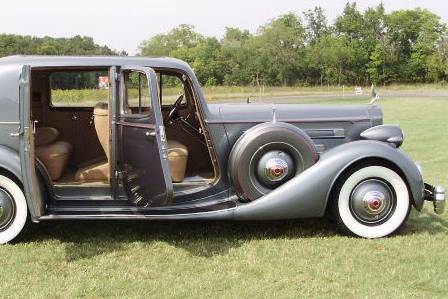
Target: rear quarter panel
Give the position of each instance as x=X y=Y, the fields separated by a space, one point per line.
x=9 y=105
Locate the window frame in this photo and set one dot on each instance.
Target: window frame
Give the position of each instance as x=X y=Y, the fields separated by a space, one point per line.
x=160 y=75
x=124 y=95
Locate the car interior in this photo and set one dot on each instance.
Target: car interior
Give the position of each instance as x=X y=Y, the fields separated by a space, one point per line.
x=71 y=114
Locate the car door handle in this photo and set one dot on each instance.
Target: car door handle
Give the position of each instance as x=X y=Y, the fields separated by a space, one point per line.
x=16 y=134
x=150 y=134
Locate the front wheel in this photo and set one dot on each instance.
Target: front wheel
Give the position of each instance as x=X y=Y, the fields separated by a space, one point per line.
x=13 y=210
x=371 y=202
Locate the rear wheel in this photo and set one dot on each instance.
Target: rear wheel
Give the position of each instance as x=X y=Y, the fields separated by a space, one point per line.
x=13 y=210
x=371 y=202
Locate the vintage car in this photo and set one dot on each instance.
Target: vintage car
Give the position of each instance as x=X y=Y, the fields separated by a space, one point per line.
x=134 y=138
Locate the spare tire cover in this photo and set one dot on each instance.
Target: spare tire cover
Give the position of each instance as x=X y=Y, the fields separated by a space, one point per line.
x=268 y=155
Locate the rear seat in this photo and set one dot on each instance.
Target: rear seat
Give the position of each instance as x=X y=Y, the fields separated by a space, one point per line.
x=53 y=154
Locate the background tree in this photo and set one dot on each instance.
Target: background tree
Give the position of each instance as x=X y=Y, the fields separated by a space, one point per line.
x=316 y=24
x=181 y=37
x=27 y=45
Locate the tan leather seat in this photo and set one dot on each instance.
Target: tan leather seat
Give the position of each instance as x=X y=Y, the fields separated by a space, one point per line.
x=177 y=158
x=177 y=152
x=53 y=154
x=45 y=136
x=95 y=172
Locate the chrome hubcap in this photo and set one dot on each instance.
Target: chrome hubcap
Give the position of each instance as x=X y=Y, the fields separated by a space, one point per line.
x=7 y=209
x=274 y=168
x=372 y=201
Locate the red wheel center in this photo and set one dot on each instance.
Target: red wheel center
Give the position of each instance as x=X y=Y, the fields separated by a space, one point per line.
x=375 y=203
x=277 y=171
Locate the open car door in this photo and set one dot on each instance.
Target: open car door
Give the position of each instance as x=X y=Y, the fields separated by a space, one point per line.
x=32 y=185
x=142 y=160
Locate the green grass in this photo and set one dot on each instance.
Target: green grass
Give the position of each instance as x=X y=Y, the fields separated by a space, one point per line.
x=288 y=259
x=242 y=92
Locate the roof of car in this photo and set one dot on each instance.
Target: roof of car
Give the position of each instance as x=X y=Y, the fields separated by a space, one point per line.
x=84 y=61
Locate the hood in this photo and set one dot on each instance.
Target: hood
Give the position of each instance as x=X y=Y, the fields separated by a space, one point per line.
x=297 y=113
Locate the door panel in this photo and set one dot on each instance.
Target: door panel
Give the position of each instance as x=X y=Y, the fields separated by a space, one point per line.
x=31 y=184
x=142 y=162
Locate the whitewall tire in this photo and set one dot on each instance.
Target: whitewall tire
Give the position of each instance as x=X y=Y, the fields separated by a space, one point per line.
x=371 y=202
x=13 y=210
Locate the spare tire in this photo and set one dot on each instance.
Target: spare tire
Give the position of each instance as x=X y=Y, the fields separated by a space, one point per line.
x=268 y=155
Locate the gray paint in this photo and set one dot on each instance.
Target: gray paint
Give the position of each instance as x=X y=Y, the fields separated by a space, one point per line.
x=312 y=188
x=31 y=184
x=9 y=99
x=386 y=133
x=10 y=161
x=327 y=125
x=336 y=128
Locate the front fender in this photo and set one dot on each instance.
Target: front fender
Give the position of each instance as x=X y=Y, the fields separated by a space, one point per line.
x=307 y=195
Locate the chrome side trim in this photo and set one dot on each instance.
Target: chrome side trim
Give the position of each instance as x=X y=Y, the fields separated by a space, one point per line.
x=325 y=133
x=10 y=123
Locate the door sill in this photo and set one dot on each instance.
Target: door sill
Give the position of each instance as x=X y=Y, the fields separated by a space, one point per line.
x=132 y=212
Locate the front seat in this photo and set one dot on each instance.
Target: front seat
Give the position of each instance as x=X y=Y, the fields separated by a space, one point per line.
x=98 y=171
x=177 y=158
x=177 y=152
x=53 y=154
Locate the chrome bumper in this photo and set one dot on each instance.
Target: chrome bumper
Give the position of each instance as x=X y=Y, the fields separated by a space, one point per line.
x=436 y=194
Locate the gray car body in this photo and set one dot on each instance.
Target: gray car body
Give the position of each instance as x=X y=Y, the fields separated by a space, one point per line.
x=336 y=131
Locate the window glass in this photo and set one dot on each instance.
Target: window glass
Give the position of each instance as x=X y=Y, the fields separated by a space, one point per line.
x=172 y=89
x=136 y=97
x=79 y=88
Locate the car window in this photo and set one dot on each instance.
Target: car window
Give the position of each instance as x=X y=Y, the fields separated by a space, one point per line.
x=172 y=87
x=79 y=88
x=136 y=96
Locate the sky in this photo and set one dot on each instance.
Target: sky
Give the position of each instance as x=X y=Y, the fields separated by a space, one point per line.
x=123 y=24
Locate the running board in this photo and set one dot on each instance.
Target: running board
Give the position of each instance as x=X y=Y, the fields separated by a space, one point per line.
x=219 y=209
x=210 y=215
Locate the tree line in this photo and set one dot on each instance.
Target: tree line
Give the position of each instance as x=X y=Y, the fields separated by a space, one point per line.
x=404 y=46
x=358 y=48
x=11 y=44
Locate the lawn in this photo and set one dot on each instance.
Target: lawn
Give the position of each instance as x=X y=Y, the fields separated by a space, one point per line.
x=288 y=259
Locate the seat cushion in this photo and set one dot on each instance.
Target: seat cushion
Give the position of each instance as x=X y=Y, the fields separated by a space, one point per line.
x=45 y=136
x=177 y=158
x=97 y=172
x=55 y=157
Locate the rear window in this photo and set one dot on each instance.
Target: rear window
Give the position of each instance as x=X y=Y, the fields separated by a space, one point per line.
x=79 y=88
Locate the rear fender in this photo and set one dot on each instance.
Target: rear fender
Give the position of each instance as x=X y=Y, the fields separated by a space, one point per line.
x=307 y=195
x=10 y=162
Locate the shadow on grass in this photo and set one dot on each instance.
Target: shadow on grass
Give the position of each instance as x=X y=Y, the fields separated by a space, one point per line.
x=87 y=239
x=425 y=222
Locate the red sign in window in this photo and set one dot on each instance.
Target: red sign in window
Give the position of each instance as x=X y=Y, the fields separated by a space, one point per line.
x=103 y=82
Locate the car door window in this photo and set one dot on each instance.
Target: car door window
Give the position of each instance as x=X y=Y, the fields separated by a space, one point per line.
x=136 y=96
x=171 y=87
x=79 y=88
